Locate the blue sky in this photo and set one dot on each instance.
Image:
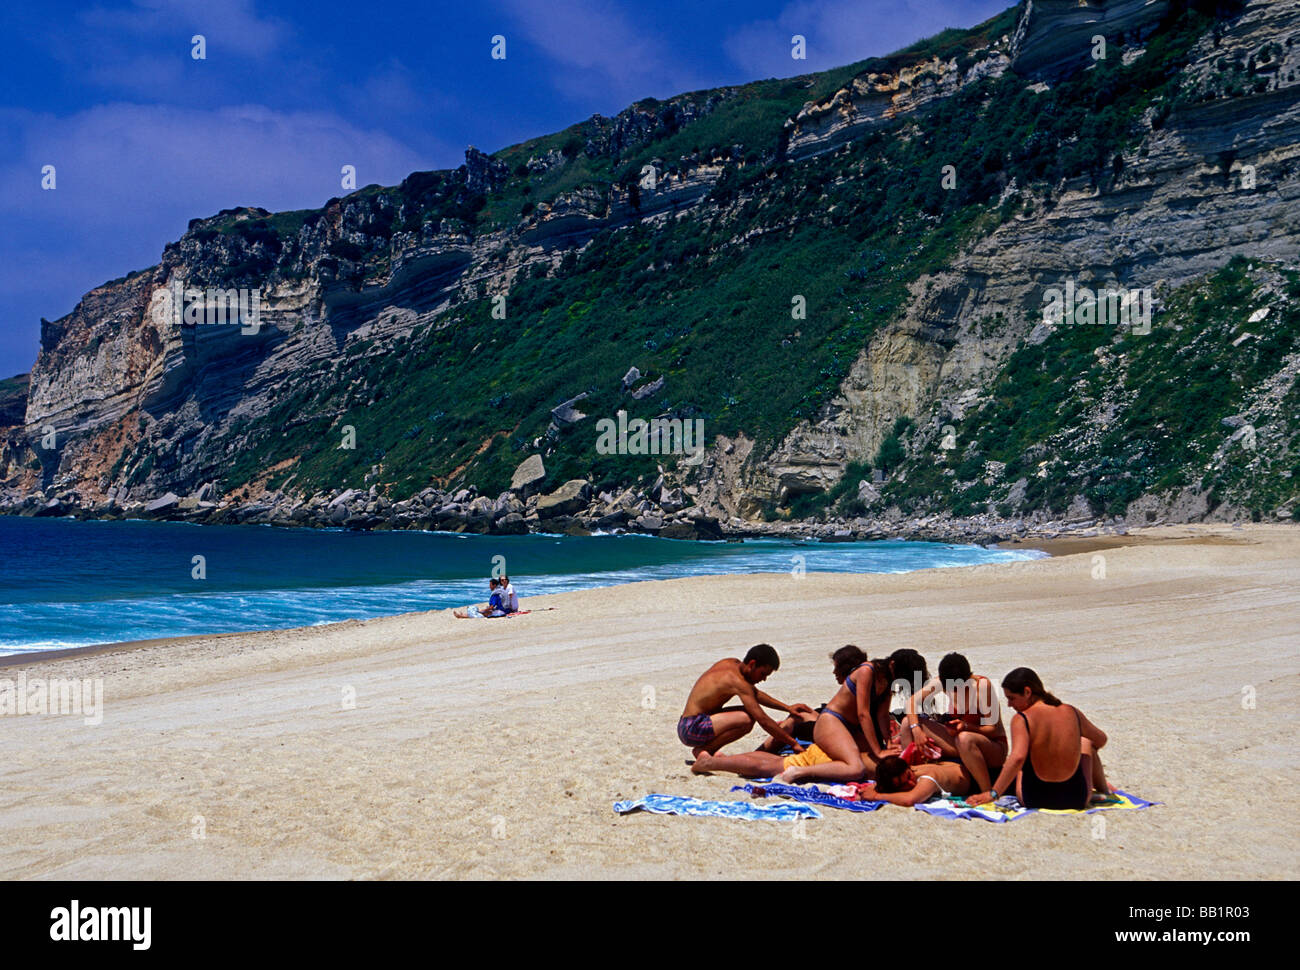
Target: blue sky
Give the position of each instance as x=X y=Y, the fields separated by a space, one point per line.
x=143 y=137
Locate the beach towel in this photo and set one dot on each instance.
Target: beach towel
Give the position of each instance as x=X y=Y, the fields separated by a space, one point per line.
x=1008 y=809
x=679 y=805
x=1005 y=809
x=1122 y=800
x=811 y=793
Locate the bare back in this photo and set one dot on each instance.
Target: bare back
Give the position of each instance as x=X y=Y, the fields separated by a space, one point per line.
x=951 y=776
x=717 y=685
x=1054 y=740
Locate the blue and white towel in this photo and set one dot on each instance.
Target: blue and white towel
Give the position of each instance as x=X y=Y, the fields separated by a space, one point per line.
x=679 y=805
x=810 y=793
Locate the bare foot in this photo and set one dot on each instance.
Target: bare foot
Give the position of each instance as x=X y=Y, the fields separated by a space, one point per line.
x=702 y=761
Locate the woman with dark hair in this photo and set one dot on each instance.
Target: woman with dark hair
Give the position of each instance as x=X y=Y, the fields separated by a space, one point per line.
x=1053 y=760
x=970 y=731
x=853 y=730
x=910 y=668
x=899 y=783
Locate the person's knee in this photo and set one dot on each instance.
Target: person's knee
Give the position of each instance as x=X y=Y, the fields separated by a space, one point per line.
x=1086 y=749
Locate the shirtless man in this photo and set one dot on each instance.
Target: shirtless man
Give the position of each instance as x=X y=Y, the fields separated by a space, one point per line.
x=706 y=725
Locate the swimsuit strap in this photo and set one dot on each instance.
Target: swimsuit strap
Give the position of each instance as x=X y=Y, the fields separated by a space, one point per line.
x=848 y=678
x=941 y=790
x=1029 y=748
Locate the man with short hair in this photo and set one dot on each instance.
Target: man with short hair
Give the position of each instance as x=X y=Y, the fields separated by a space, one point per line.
x=492 y=608
x=706 y=725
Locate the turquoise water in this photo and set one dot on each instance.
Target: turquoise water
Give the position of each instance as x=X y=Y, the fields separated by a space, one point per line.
x=65 y=583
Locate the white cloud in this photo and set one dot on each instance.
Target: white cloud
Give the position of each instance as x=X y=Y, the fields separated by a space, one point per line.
x=840 y=32
x=120 y=163
x=227 y=25
x=130 y=177
x=597 y=49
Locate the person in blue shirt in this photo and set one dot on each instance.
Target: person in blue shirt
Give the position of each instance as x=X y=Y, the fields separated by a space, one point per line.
x=495 y=606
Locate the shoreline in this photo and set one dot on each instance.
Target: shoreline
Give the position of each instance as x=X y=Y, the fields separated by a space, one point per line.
x=1053 y=546
x=398 y=748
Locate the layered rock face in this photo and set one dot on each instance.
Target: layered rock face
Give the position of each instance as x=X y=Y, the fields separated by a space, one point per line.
x=145 y=404
x=1056 y=36
x=1218 y=180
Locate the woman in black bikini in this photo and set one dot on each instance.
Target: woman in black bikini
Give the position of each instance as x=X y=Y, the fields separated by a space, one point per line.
x=1054 y=747
x=854 y=727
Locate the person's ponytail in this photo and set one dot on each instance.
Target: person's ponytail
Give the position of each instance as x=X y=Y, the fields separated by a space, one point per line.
x=1022 y=677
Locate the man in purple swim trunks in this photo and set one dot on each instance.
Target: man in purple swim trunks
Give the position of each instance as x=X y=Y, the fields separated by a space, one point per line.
x=706 y=725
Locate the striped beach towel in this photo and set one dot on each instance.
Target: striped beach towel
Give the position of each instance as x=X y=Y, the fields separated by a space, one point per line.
x=680 y=805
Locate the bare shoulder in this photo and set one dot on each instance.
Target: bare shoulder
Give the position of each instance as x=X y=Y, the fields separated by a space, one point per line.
x=946 y=773
x=722 y=678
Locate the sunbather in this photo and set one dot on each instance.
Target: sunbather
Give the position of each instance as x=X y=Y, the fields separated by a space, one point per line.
x=509 y=598
x=1054 y=759
x=800 y=726
x=899 y=783
x=760 y=764
x=854 y=729
x=970 y=731
x=706 y=725
x=493 y=607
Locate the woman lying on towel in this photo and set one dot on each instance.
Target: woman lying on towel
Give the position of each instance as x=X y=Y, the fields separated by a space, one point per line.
x=1053 y=761
x=899 y=783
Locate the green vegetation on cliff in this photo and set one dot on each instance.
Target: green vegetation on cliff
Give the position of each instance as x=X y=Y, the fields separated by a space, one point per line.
x=703 y=298
x=1115 y=415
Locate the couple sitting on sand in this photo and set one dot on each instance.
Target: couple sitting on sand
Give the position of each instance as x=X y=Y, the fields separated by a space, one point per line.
x=502 y=601
x=928 y=755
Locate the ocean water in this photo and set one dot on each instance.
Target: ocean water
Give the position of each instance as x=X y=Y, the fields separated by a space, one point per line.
x=65 y=583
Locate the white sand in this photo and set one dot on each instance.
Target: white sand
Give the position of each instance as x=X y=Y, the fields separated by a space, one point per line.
x=496 y=748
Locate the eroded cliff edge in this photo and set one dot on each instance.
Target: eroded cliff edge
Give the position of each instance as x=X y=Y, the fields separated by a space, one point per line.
x=128 y=413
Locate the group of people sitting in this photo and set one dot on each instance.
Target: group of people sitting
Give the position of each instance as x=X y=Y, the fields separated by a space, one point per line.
x=502 y=601
x=948 y=739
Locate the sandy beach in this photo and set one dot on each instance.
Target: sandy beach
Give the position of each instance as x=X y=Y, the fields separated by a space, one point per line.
x=422 y=746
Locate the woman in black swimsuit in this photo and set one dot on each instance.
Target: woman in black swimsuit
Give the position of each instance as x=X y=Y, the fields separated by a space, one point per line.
x=1053 y=758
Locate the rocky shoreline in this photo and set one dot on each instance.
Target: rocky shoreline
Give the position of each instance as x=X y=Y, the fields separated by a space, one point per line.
x=573 y=508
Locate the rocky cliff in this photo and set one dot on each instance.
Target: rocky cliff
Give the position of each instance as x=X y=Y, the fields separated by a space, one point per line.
x=404 y=353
